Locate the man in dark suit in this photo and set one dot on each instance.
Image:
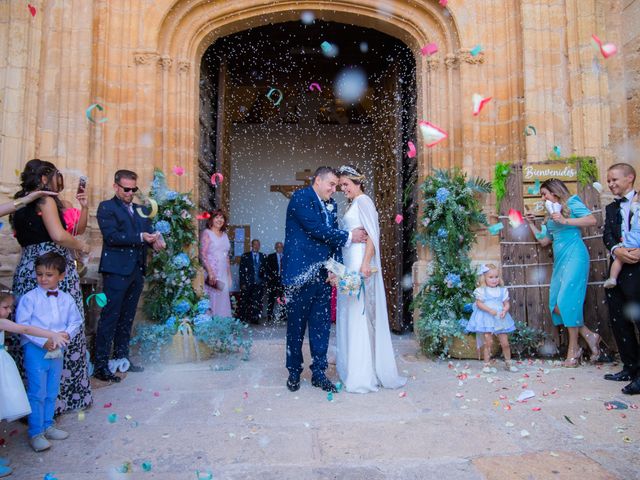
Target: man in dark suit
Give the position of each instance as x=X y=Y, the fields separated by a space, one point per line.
x=624 y=298
x=311 y=238
x=275 y=290
x=253 y=266
x=126 y=235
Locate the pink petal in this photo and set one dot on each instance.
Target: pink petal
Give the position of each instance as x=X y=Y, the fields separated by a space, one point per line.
x=479 y=102
x=412 y=150
x=429 y=49
x=432 y=135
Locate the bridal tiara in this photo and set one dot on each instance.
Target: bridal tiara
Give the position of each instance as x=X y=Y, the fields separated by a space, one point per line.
x=346 y=169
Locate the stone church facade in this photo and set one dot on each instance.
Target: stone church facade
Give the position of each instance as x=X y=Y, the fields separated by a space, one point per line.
x=141 y=60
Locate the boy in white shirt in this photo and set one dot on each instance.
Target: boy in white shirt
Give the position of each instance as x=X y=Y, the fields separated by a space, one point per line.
x=46 y=307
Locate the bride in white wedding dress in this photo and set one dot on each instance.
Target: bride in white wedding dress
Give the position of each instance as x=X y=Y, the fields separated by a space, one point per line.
x=365 y=358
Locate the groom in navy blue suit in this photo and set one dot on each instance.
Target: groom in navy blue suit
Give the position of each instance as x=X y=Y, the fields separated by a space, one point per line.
x=311 y=238
x=126 y=235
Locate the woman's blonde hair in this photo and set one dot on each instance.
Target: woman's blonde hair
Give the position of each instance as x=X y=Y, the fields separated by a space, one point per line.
x=560 y=190
x=489 y=266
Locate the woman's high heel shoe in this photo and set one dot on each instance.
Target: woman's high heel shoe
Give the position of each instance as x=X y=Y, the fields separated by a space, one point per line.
x=573 y=362
x=594 y=347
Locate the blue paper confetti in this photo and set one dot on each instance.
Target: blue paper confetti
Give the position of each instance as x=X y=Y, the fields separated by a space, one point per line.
x=475 y=51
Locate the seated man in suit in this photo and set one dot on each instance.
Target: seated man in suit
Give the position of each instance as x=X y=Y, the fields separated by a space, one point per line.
x=275 y=289
x=252 y=282
x=125 y=235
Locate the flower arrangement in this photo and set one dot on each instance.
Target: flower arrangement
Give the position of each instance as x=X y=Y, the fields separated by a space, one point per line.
x=350 y=283
x=171 y=302
x=451 y=211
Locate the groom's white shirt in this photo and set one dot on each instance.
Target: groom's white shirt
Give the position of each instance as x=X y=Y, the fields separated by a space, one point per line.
x=346 y=245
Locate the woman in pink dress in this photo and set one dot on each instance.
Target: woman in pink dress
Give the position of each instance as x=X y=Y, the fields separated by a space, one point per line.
x=214 y=253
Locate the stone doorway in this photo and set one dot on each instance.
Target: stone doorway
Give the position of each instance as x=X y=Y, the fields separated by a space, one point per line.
x=268 y=109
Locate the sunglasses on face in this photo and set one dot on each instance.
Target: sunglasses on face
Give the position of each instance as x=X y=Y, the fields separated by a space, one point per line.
x=128 y=189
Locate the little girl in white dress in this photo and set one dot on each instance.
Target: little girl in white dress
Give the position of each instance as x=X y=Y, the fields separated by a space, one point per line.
x=491 y=315
x=13 y=398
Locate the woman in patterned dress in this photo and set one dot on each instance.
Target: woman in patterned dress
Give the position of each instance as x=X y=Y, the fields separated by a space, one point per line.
x=39 y=228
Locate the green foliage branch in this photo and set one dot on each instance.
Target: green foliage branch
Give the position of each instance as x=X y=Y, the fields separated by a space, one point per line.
x=451 y=214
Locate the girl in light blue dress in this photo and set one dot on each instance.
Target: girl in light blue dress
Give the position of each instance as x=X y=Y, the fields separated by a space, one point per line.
x=570 y=264
x=491 y=315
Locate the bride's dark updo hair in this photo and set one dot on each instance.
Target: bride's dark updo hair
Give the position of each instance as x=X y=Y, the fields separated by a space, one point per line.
x=353 y=174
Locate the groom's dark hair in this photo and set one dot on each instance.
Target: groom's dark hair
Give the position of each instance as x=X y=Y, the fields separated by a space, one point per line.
x=323 y=172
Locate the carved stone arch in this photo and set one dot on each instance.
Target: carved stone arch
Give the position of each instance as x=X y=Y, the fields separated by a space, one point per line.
x=188 y=27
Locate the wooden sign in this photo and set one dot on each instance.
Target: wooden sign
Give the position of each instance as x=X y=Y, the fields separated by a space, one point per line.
x=543 y=171
x=534 y=174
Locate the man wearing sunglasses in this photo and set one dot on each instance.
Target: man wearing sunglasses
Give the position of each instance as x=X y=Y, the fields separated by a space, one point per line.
x=126 y=235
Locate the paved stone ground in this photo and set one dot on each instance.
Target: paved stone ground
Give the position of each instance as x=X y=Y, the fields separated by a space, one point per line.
x=237 y=420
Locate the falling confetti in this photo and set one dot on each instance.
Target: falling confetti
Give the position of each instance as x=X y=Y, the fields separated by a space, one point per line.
x=316 y=86
x=443 y=3
x=329 y=49
x=515 y=218
x=217 y=179
x=412 y=150
x=431 y=134
x=152 y=213
x=399 y=219
x=530 y=130
x=351 y=84
x=100 y=298
x=179 y=171
x=607 y=49
x=270 y=94
x=495 y=228
x=32 y=11
x=307 y=17
x=429 y=49
x=203 y=216
x=535 y=189
x=90 y=109
x=556 y=151
x=475 y=51
x=479 y=102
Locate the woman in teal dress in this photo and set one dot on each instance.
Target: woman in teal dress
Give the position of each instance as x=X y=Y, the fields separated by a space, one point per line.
x=570 y=264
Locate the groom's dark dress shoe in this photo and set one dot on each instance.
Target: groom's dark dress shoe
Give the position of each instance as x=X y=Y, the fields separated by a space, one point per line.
x=135 y=368
x=621 y=376
x=633 y=388
x=325 y=384
x=106 y=376
x=293 y=383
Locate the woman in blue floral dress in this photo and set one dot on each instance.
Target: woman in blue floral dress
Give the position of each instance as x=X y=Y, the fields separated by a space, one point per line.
x=36 y=226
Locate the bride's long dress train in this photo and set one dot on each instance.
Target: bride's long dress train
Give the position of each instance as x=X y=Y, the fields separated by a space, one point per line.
x=365 y=358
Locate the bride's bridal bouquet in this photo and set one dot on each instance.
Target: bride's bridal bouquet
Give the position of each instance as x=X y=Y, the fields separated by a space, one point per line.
x=348 y=283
